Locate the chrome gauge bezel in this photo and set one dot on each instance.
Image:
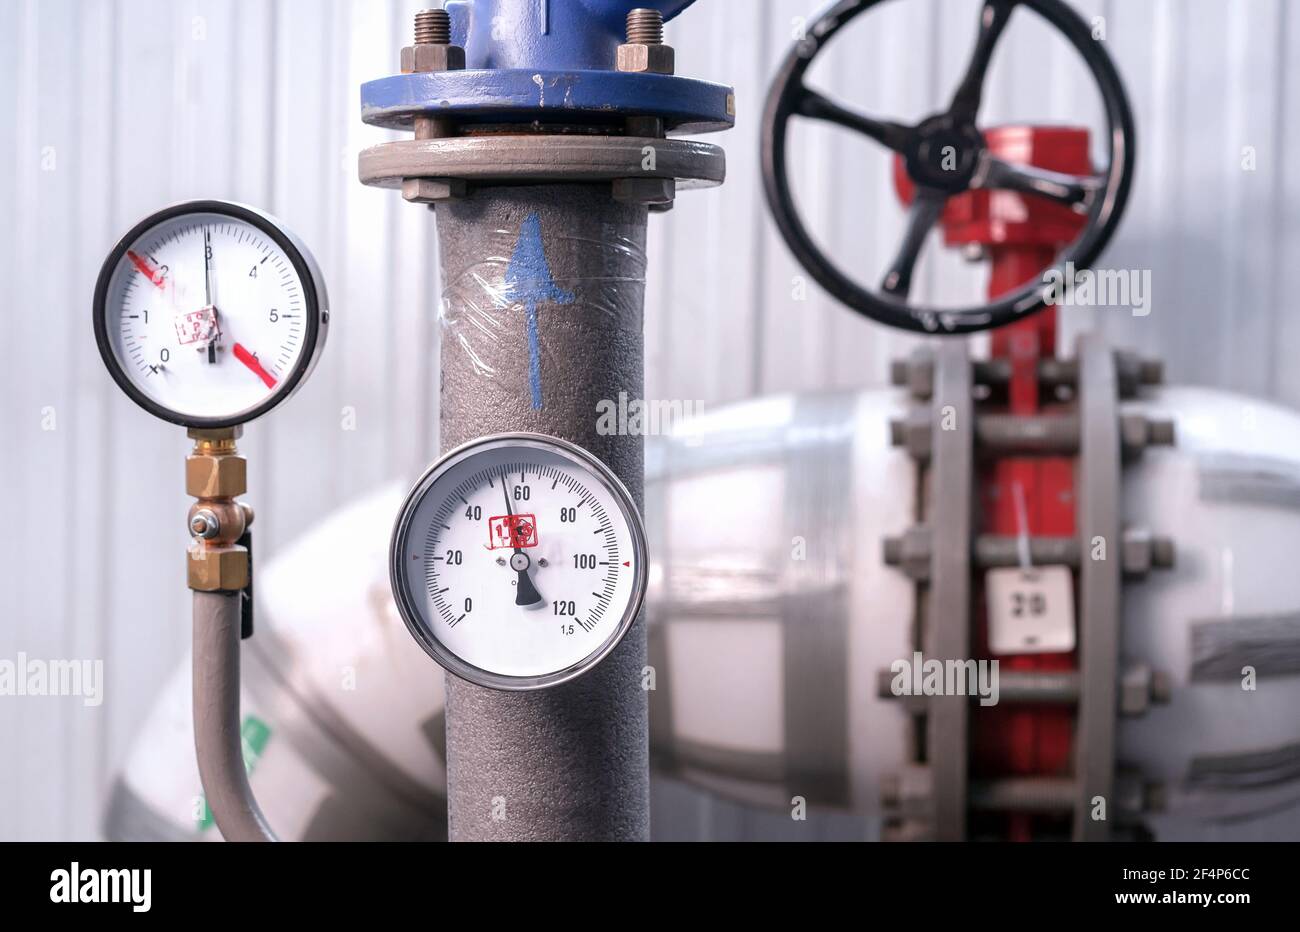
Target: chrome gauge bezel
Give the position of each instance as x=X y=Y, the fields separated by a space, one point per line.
x=423 y=632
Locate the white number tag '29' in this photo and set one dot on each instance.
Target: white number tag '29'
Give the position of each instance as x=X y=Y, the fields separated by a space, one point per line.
x=1031 y=611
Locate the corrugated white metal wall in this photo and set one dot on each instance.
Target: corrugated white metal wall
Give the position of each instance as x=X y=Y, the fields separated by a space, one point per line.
x=112 y=108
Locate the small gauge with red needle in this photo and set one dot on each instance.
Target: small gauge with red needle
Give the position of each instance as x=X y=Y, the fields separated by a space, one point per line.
x=209 y=313
x=518 y=561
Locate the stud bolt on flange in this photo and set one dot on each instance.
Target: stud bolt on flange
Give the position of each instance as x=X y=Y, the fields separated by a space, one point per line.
x=432 y=51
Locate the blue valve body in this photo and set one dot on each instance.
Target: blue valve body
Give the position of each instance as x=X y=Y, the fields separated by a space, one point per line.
x=547 y=61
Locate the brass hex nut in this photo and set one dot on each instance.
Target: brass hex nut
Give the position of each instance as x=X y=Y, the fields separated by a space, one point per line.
x=431 y=57
x=652 y=59
x=215 y=475
x=217 y=569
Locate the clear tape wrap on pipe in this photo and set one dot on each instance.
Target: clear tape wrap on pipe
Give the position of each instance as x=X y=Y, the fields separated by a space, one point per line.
x=496 y=301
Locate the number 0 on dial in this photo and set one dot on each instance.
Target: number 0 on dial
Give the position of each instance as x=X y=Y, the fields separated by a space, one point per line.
x=518 y=561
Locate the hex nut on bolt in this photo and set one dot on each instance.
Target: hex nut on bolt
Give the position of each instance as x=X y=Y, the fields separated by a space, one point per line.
x=1143 y=552
x=432 y=49
x=645 y=59
x=432 y=190
x=651 y=191
x=1137 y=432
x=417 y=59
x=915 y=373
x=645 y=52
x=1140 y=687
x=913 y=434
x=1136 y=372
x=910 y=552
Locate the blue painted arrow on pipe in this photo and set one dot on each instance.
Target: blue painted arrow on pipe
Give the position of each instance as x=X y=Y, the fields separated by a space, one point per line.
x=528 y=282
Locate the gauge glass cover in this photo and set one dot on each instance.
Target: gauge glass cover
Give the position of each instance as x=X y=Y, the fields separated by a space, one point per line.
x=518 y=561
x=209 y=314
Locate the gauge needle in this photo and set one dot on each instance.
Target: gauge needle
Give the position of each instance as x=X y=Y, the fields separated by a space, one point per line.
x=249 y=360
x=147 y=268
x=207 y=293
x=525 y=592
x=207 y=266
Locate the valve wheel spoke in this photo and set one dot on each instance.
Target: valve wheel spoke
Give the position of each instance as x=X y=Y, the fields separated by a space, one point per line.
x=1074 y=191
x=993 y=20
x=921 y=218
x=817 y=106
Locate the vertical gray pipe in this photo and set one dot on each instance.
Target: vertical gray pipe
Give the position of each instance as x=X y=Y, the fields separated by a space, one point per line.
x=571 y=762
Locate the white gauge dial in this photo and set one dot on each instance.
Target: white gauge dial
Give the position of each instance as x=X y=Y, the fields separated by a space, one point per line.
x=208 y=314
x=518 y=561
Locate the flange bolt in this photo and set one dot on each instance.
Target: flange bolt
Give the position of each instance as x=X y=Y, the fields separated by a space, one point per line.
x=432 y=27
x=645 y=27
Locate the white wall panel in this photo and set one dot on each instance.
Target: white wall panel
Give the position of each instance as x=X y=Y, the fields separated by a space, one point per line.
x=112 y=108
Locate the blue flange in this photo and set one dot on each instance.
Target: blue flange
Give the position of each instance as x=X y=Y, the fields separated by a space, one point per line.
x=549 y=61
x=515 y=96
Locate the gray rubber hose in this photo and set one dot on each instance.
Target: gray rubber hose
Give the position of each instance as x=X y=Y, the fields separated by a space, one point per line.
x=216 y=719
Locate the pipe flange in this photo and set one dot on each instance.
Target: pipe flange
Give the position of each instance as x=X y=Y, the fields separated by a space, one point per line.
x=526 y=159
x=524 y=96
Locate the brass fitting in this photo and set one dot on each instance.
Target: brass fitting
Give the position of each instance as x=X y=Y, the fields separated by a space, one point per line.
x=214 y=474
x=217 y=569
x=217 y=523
x=215 y=469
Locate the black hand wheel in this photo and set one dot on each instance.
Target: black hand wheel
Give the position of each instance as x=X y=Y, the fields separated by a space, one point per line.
x=945 y=155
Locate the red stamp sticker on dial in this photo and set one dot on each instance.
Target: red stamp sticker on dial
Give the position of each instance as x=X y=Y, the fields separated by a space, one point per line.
x=197 y=325
x=512 y=531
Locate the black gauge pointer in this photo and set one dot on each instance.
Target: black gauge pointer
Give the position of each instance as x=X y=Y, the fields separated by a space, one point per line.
x=207 y=293
x=525 y=592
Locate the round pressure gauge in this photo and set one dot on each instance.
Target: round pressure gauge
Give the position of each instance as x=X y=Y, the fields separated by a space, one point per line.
x=518 y=561
x=209 y=314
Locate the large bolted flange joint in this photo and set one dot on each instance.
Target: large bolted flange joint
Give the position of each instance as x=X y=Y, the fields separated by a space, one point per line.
x=603 y=120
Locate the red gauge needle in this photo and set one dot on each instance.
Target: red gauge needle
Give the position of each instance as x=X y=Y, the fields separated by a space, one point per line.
x=251 y=362
x=147 y=268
